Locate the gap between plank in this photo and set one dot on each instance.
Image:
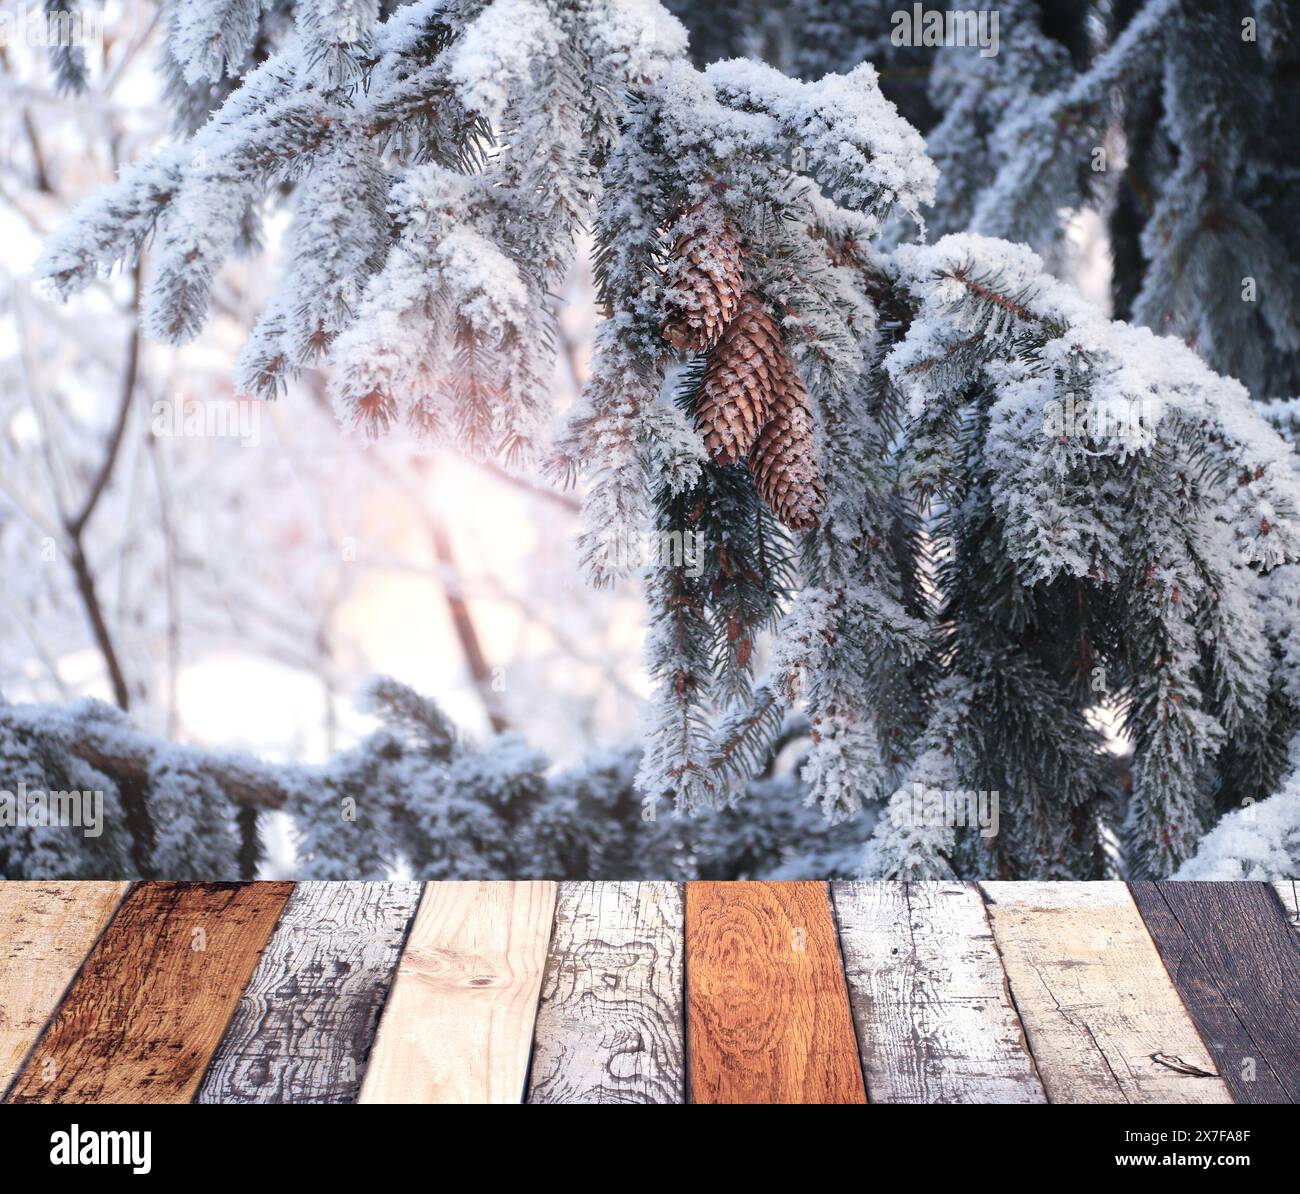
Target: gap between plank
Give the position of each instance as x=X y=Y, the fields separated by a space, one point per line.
x=985 y=900
x=550 y=949
x=839 y=945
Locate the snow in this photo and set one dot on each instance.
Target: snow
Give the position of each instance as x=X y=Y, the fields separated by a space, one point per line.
x=1260 y=841
x=209 y=36
x=495 y=57
x=853 y=138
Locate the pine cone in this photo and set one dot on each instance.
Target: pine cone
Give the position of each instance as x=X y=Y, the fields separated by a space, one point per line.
x=782 y=462
x=737 y=388
x=706 y=281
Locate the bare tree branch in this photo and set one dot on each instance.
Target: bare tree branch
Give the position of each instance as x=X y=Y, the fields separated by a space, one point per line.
x=463 y=623
x=76 y=525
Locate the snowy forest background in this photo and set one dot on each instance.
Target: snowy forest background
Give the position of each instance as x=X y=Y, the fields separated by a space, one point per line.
x=414 y=339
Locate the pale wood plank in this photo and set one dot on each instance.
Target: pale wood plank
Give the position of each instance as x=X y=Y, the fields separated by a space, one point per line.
x=1288 y=891
x=610 y=1023
x=147 y=1011
x=935 y=1020
x=46 y=931
x=305 y=1023
x=459 y=1022
x=1102 y=1018
x=768 y=1009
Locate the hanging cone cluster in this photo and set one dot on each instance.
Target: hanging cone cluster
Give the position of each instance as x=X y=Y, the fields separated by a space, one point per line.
x=752 y=403
x=705 y=283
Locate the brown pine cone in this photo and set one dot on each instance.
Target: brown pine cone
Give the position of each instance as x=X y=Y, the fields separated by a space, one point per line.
x=705 y=279
x=782 y=462
x=736 y=390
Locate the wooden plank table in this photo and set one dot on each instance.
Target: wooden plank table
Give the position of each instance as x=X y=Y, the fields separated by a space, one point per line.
x=650 y=992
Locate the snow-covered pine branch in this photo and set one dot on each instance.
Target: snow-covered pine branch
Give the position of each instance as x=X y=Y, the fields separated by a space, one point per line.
x=1135 y=499
x=413 y=794
x=443 y=162
x=1158 y=118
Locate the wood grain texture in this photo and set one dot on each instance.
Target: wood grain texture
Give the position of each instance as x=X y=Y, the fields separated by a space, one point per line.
x=610 y=1024
x=304 y=1026
x=1101 y=1015
x=153 y=998
x=768 y=1010
x=458 y=1027
x=1236 y=963
x=934 y=1017
x=46 y=931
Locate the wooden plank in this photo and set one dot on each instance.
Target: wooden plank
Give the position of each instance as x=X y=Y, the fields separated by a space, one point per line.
x=1236 y=964
x=305 y=1023
x=1288 y=891
x=46 y=931
x=1102 y=1018
x=934 y=1017
x=610 y=1024
x=459 y=1022
x=768 y=1010
x=148 y=1009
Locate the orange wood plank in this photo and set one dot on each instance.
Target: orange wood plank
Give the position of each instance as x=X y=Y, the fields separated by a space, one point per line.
x=768 y=1008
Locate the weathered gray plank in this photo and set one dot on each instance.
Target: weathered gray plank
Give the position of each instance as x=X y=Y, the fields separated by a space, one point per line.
x=935 y=1021
x=1101 y=1015
x=303 y=1027
x=610 y=1024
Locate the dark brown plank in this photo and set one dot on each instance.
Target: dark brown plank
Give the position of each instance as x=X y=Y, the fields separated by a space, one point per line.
x=768 y=1018
x=148 y=1009
x=1235 y=963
